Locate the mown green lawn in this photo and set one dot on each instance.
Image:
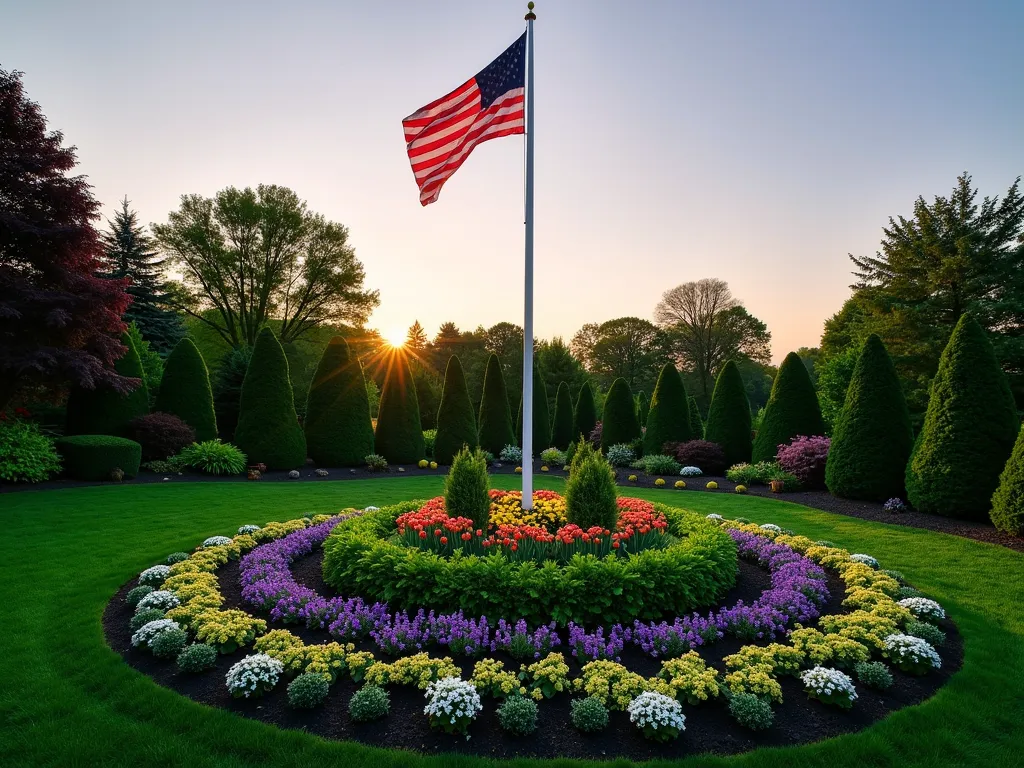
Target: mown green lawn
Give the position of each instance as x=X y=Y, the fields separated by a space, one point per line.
x=68 y=700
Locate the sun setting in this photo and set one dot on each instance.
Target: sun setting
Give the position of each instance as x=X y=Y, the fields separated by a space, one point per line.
x=395 y=337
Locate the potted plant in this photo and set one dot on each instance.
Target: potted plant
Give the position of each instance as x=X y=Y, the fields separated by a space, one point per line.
x=776 y=485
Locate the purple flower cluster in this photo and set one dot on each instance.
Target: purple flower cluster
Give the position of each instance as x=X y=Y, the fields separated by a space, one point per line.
x=798 y=591
x=588 y=646
x=517 y=640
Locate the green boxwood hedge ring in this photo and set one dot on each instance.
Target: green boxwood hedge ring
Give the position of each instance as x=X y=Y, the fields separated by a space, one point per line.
x=364 y=557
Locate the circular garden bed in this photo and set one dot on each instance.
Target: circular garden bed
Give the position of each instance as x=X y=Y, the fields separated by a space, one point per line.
x=744 y=635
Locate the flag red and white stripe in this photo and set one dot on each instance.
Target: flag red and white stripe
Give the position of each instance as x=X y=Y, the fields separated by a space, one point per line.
x=440 y=136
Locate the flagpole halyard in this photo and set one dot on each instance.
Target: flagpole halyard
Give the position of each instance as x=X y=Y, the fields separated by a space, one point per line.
x=528 y=393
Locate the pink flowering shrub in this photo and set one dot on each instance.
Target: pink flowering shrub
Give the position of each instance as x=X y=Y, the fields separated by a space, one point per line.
x=805 y=458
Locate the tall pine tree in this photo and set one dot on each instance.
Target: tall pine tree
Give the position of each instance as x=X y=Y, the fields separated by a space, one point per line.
x=128 y=253
x=561 y=427
x=729 y=416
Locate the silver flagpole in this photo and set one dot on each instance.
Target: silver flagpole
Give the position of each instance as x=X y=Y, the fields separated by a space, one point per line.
x=528 y=313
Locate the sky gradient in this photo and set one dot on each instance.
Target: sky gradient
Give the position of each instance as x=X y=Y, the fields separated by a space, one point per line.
x=757 y=142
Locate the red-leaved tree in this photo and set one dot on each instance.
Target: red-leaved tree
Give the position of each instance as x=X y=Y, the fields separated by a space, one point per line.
x=59 y=324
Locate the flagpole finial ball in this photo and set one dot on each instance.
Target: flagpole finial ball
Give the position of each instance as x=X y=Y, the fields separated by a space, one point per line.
x=530 y=16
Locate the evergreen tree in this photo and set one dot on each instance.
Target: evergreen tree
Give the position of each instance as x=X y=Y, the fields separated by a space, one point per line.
x=456 y=423
x=619 y=424
x=969 y=429
x=561 y=429
x=338 y=429
x=103 y=410
x=872 y=438
x=643 y=408
x=495 y=421
x=1008 y=500
x=668 y=420
x=416 y=338
x=268 y=430
x=696 y=422
x=792 y=410
x=541 y=417
x=585 y=412
x=185 y=390
x=227 y=390
x=399 y=436
x=519 y=425
x=729 y=416
x=129 y=253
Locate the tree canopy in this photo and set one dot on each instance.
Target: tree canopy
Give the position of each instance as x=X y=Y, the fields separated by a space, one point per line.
x=630 y=348
x=256 y=254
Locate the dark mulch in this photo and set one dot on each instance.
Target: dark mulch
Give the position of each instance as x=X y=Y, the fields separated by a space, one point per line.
x=709 y=728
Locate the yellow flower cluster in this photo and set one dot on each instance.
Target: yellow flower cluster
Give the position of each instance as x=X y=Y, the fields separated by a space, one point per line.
x=490 y=678
x=756 y=679
x=358 y=663
x=327 y=659
x=783 y=659
x=866 y=628
x=690 y=679
x=187 y=614
x=228 y=630
x=822 y=649
x=546 y=513
x=547 y=677
x=419 y=670
x=615 y=686
x=272 y=531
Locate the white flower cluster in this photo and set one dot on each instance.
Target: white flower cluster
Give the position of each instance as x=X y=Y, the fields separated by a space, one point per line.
x=155 y=576
x=370 y=509
x=216 y=541
x=867 y=560
x=923 y=608
x=690 y=472
x=253 y=675
x=907 y=649
x=829 y=683
x=147 y=633
x=512 y=454
x=161 y=599
x=245 y=530
x=619 y=455
x=770 y=527
x=714 y=516
x=656 y=710
x=453 y=698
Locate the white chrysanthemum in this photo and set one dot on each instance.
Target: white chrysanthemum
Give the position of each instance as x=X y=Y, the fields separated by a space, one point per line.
x=155 y=576
x=253 y=675
x=656 y=710
x=452 y=698
x=160 y=598
x=216 y=541
x=690 y=472
x=370 y=509
x=923 y=608
x=867 y=560
x=149 y=632
x=770 y=527
x=907 y=650
x=245 y=530
x=714 y=516
x=829 y=683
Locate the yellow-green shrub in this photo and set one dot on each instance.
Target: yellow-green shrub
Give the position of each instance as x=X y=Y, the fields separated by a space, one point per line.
x=419 y=670
x=690 y=678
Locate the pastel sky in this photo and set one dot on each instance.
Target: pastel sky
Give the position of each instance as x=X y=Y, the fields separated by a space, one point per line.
x=759 y=142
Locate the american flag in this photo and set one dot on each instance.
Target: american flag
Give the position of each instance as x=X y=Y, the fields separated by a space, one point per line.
x=440 y=136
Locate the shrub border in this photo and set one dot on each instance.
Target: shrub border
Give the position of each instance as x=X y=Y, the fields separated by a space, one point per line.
x=362 y=556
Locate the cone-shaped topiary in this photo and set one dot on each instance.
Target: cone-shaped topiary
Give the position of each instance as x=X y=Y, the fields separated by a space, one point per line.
x=618 y=423
x=541 y=417
x=1008 y=500
x=561 y=427
x=872 y=438
x=456 y=423
x=668 y=420
x=185 y=390
x=338 y=429
x=969 y=429
x=495 y=421
x=792 y=410
x=643 y=408
x=102 y=411
x=466 y=491
x=268 y=430
x=696 y=422
x=729 y=416
x=519 y=425
x=590 y=496
x=399 y=437
x=584 y=417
